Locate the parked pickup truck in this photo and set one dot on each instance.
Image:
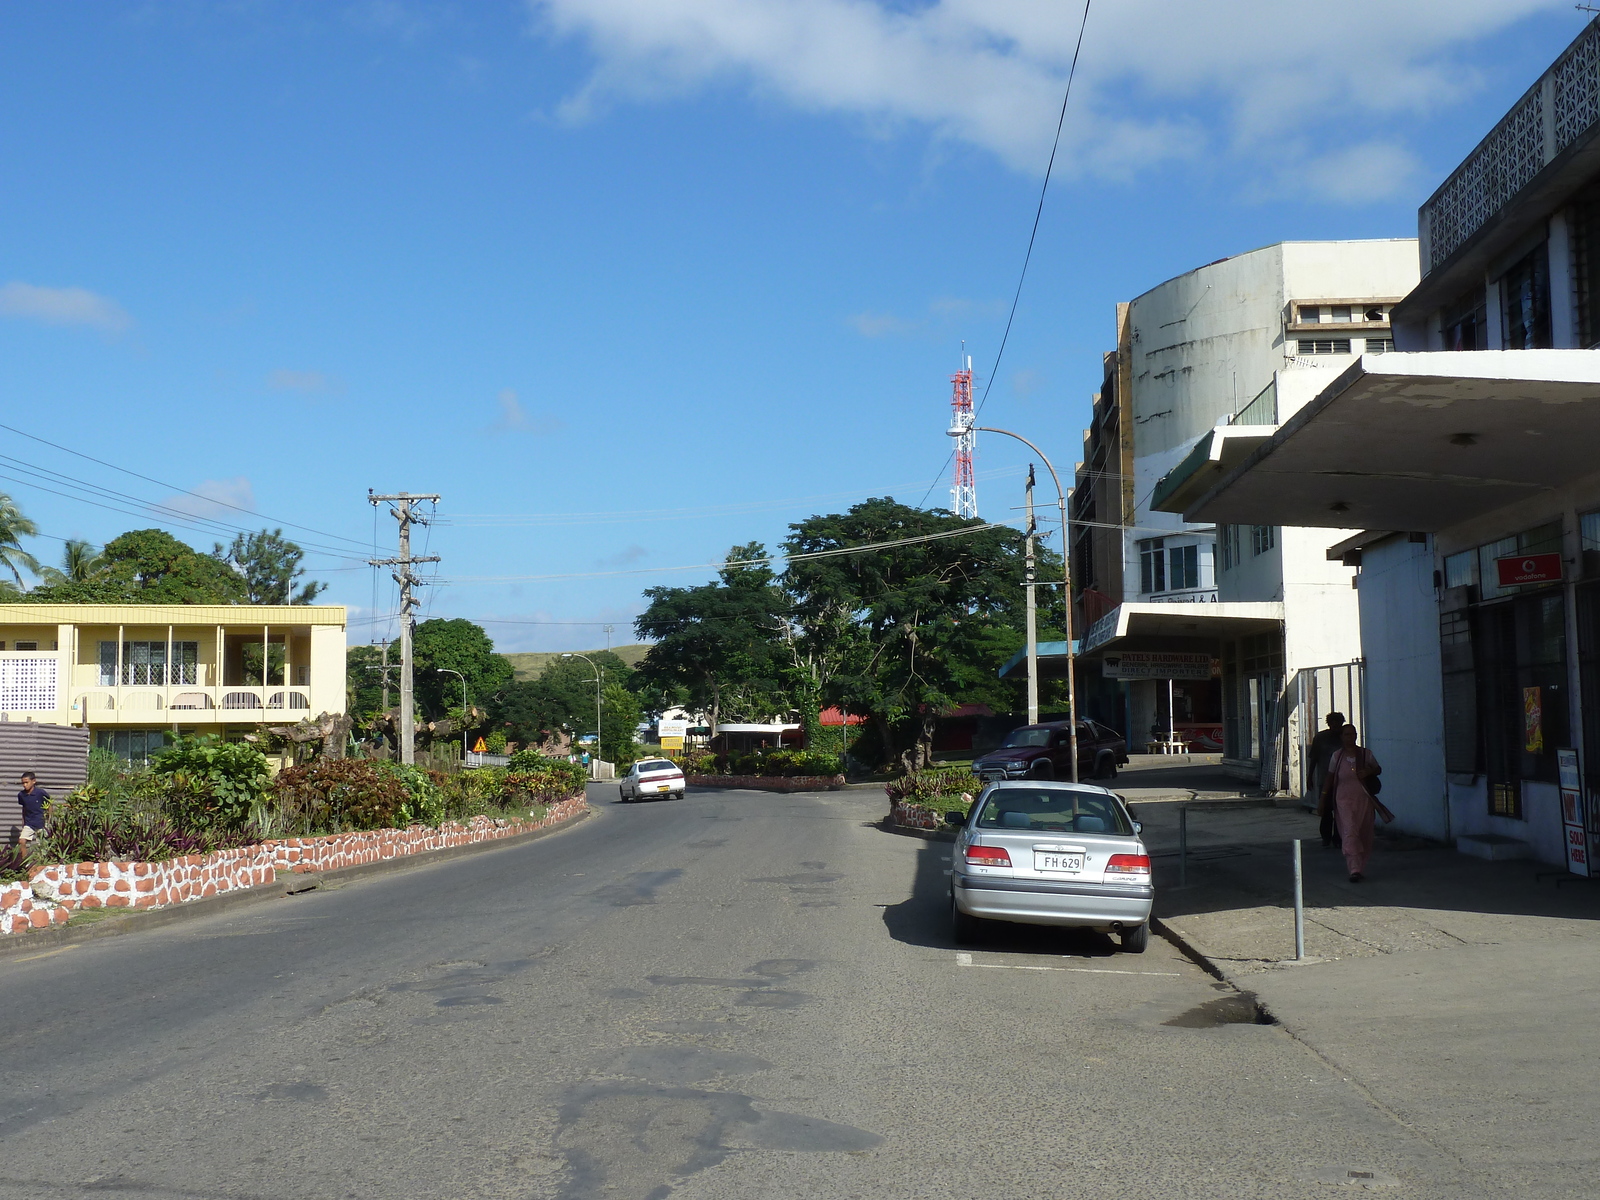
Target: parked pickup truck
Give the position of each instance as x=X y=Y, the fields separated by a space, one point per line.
x=1044 y=751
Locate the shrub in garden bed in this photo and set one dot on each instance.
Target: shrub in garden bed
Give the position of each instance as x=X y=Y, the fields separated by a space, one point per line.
x=767 y=763
x=936 y=792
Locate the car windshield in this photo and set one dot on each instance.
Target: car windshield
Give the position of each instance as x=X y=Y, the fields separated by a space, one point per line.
x=657 y=764
x=1053 y=810
x=1028 y=737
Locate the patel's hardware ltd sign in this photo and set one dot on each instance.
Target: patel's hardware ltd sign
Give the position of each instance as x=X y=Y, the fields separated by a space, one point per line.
x=1155 y=664
x=1518 y=569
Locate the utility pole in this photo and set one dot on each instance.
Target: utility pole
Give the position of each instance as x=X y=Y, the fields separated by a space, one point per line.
x=402 y=509
x=1033 y=631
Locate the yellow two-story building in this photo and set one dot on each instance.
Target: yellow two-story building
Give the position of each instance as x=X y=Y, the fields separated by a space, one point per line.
x=132 y=673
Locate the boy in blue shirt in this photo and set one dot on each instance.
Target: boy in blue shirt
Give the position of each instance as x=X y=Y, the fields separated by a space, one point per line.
x=32 y=797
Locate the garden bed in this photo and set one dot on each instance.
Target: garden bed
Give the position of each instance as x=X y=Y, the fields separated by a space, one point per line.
x=769 y=783
x=54 y=893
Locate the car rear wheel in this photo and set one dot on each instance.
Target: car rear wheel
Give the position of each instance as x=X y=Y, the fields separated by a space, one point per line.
x=1106 y=768
x=1137 y=939
x=963 y=926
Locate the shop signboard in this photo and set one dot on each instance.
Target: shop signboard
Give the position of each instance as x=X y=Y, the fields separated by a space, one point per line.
x=672 y=727
x=1156 y=664
x=1572 y=815
x=671 y=743
x=1518 y=569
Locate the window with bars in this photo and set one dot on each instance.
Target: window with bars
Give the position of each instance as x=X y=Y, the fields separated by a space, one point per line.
x=1380 y=346
x=1262 y=538
x=1183 y=567
x=144 y=664
x=1324 y=346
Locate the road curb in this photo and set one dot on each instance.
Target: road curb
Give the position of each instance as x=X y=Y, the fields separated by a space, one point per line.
x=286 y=884
x=927 y=835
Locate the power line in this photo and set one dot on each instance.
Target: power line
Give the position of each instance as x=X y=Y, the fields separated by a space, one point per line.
x=994 y=372
x=338 y=537
x=766 y=560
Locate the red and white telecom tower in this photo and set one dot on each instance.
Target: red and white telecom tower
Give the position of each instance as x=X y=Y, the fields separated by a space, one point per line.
x=963 y=487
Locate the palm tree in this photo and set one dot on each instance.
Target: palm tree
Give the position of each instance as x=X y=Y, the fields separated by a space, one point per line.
x=79 y=559
x=13 y=528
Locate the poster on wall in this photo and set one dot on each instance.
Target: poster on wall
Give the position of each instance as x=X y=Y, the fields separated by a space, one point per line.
x=1532 y=720
x=1573 y=831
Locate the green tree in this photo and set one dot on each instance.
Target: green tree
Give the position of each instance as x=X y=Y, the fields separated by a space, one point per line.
x=79 y=561
x=907 y=631
x=270 y=566
x=442 y=645
x=364 y=681
x=561 y=699
x=721 y=646
x=14 y=526
x=619 y=722
x=149 y=566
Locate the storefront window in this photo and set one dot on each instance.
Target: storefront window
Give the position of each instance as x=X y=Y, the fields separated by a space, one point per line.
x=1541 y=539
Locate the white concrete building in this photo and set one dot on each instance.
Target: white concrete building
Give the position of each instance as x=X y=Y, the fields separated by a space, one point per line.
x=1208 y=365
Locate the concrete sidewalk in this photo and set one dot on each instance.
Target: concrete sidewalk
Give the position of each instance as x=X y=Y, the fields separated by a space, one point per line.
x=1459 y=993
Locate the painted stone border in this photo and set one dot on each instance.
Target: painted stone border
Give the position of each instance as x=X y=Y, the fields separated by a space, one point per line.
x=770 y=783
x=53 y=893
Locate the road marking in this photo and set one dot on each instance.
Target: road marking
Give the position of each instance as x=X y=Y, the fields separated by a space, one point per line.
x=963 y=959
x=45 y=954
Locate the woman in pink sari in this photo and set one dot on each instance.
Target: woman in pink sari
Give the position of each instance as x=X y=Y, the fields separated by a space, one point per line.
x=1349 y=768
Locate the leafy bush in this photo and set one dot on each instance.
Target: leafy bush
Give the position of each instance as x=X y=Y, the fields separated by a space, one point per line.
x=496 y=742
x=329 y=796
x=550 y=781
x=701 y=764
x=425 y=801
x=768 y=763
x=935 y=790
x=211 y=782
x=13 y=864
x=92 y=824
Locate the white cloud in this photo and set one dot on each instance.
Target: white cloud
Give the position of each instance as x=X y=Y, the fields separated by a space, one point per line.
x=311 y=382
x=215 y=498
x=514 y=418
x=63 y=306
x=1157 y=81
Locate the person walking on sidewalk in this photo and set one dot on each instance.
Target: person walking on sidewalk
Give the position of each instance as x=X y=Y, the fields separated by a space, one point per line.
x=31 y=798
x=1322 y=748
x=1349 y=769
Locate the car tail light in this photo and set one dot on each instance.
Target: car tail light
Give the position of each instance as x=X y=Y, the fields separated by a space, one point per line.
x=988 y=856
x=1129 y=864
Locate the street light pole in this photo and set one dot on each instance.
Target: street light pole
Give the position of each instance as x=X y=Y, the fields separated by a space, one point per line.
x=591 y=663
x=1066 y=576
x=463 y=678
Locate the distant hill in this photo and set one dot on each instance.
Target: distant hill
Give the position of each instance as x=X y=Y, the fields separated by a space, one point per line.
x=531 y=664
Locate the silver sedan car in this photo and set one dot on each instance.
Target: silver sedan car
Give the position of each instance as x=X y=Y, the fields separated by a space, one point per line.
x=1046 y=853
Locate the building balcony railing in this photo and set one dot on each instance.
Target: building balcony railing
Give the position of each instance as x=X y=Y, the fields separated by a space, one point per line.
x=192 y=700
x=1549 y=117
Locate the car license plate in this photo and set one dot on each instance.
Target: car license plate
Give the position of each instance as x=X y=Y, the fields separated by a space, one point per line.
x=1055 y=861
x=663 y=787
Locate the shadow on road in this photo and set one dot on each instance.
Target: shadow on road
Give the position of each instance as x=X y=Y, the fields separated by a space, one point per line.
x=923 y=919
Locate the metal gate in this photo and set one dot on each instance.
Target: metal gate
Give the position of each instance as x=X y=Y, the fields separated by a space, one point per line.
x=1311 y=696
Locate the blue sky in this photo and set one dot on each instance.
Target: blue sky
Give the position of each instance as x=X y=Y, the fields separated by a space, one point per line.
x=631 y=281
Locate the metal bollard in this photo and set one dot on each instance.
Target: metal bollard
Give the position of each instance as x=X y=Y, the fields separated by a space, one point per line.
x=1299 y=906
x=1183 y=845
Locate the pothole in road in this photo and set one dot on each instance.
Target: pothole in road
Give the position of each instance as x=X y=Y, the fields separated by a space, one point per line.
x=1240 y=1008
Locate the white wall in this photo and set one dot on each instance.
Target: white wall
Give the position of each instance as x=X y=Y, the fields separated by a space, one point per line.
x=1404 y=705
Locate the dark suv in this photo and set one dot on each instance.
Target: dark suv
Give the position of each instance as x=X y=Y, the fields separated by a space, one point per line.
x=1044 y=751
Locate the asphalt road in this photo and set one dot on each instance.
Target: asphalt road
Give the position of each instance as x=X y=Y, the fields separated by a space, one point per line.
x=735 y=995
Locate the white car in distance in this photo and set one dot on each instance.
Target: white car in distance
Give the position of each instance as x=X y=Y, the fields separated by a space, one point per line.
x=652 y=777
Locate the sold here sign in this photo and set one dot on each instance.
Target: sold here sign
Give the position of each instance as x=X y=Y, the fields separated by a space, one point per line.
x=1529 y=568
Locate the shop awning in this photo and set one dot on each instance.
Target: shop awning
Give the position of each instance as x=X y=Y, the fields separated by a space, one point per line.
x=1214 y=455
x=1130 y=622
x=1421 y=442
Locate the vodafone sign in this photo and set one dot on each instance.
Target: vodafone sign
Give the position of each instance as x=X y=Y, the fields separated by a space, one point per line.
x=1529 y=568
